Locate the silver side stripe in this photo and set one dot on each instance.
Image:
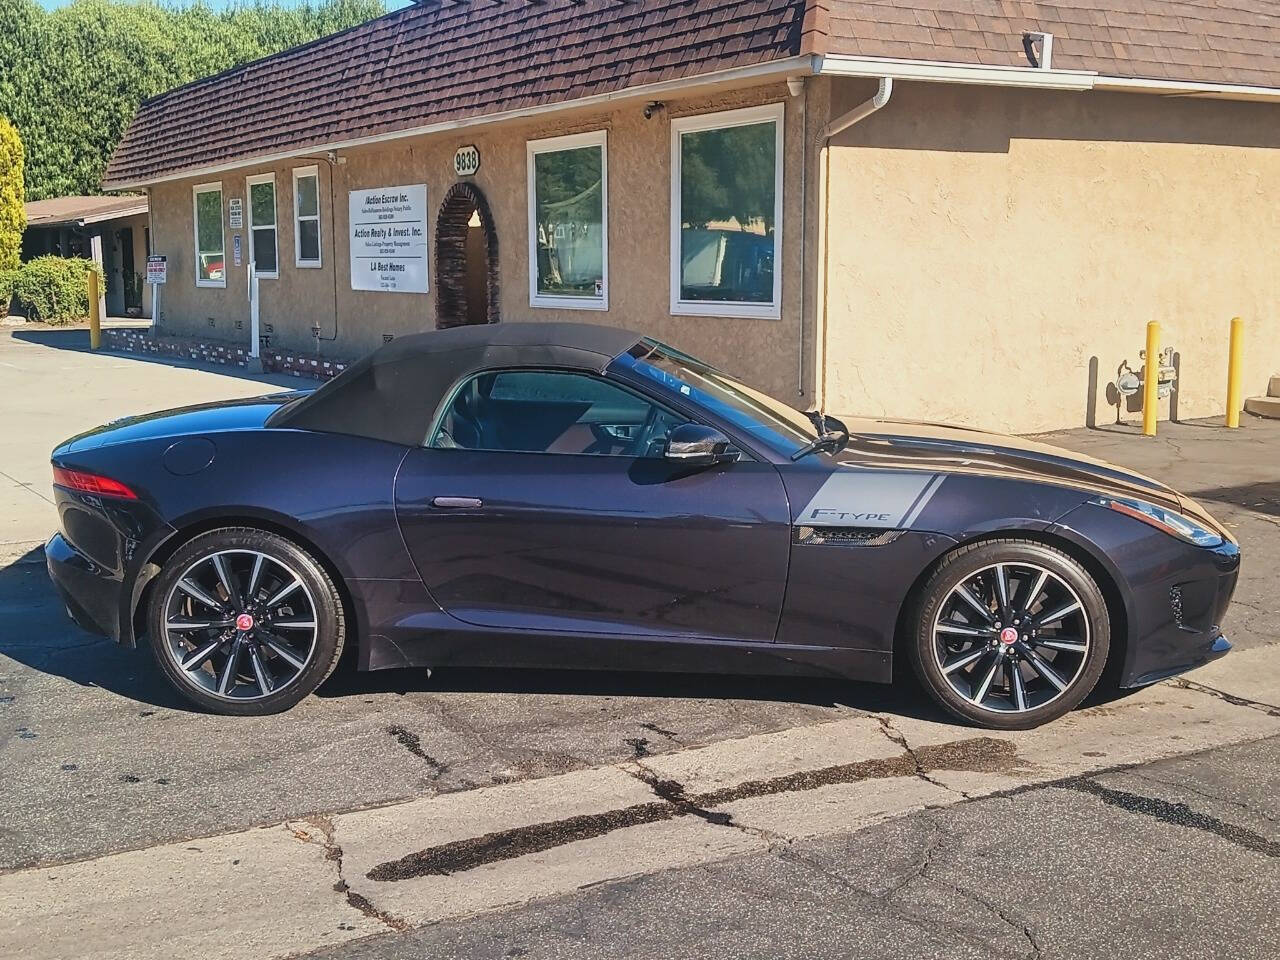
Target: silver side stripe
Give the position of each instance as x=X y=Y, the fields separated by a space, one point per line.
x=871 y=498
x=923 y=501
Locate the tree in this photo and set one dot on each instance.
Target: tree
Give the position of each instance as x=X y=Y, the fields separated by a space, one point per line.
x=71 y=78
x=13 y=218
x=728 y=174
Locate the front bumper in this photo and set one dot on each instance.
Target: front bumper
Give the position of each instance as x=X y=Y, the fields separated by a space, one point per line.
x=1179 y=615
x=1175 y=594
x=90 y=592
x=1219 y=646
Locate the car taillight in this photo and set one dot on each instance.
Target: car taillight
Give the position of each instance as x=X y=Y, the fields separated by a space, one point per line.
x=91 y=483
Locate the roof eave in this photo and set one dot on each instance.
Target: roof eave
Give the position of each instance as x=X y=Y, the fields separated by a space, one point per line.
x=937 y=71
x=89 y=219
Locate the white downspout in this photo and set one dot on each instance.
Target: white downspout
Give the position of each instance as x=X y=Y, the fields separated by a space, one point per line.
x=839 y=124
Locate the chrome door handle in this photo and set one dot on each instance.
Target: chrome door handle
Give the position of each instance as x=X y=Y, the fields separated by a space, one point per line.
x=457 y=503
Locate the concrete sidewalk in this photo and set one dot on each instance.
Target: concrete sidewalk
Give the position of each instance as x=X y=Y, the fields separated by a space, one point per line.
x=54 y=387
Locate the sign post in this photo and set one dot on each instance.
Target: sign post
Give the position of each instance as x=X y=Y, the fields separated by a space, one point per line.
x=157 y=276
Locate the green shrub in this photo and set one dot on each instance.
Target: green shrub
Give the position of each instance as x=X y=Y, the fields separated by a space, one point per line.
x=55 y=289
x=7 y=279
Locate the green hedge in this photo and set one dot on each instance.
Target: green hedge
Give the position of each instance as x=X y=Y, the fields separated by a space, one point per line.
x=7 y=279
x=54 y=289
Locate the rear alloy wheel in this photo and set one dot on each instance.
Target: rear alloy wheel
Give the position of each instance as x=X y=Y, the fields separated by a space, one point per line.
x=245 y=622
x=1010 y=634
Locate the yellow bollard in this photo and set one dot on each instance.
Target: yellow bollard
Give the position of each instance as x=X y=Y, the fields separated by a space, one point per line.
x=1234 y=362
x=95 y=317
x=1151 y=380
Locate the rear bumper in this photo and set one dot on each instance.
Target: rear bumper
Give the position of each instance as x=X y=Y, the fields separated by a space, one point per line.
x=91 y=593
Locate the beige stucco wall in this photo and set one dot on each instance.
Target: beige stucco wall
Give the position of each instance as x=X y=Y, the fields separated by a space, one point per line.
x=992 y=248
x=767 y=351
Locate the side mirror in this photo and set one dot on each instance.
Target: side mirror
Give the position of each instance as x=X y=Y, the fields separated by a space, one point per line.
x=696 y=445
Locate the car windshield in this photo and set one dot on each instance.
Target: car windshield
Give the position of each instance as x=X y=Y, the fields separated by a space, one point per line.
x=768 y=420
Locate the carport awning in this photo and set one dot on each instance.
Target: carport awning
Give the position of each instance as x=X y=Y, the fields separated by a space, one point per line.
x=78 y=211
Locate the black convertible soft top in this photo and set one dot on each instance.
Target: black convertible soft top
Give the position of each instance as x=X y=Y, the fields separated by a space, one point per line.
x=393 y=393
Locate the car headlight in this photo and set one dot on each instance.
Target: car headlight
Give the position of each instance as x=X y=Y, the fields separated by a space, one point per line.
x=1162 y=518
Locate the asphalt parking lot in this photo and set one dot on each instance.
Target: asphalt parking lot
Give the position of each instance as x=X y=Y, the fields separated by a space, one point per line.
x=1125 y=828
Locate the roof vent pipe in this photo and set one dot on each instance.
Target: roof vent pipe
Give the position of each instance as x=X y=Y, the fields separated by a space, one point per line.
x=1039 y=49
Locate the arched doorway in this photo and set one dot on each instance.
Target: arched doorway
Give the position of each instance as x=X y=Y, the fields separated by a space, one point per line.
x=466 y=259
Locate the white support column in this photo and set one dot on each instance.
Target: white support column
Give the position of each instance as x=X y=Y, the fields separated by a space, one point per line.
x=95 y=247
x=253 y=309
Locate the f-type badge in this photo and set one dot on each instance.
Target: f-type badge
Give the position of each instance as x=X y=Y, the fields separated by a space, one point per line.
x=870 y=498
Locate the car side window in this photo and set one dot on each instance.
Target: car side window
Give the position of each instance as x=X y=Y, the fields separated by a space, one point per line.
x=551 y=411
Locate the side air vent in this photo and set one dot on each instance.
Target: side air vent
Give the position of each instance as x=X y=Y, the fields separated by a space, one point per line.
x=1175 y=604
x=847 y=536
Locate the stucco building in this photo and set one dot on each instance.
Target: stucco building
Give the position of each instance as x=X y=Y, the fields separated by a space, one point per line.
x=945 y=209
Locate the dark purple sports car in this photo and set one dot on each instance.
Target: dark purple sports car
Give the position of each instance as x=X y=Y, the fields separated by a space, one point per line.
x=581 y=496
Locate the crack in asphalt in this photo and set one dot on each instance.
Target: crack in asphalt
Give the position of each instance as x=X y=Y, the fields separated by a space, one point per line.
x=1178 y=814
x=984 y=754
x=654 y=728
x=1236 y=701
x=889 y=898
x=896 y=736
x=333 y=853
x=413 y=743
x=1180 y=785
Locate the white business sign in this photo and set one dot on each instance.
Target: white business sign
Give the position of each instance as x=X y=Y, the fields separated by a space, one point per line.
x=157 y=269
x=389 y=238
x=235 y=213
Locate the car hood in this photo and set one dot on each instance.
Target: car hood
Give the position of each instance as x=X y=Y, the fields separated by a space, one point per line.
x=935 y=446
x=245 y=414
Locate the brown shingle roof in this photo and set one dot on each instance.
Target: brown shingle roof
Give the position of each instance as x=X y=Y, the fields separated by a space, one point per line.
x=448 y=60
x=1210 y=41
x=442 y=61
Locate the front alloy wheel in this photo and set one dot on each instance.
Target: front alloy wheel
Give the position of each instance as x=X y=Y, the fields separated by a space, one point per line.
x=245 y=622
x=1011 y=634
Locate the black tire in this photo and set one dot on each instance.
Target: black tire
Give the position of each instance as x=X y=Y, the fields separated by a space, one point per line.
x=323 y=641
x=1017 y=563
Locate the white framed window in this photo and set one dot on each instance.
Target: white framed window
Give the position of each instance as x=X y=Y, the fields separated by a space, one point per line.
x=569 y=222
x=210 y=241
x=306 y=217
x=263 y=247
x=726 y=213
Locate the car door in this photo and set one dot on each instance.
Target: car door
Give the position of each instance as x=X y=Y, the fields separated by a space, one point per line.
x=542 y=501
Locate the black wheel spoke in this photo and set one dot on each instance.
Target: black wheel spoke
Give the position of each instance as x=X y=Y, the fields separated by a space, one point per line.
x=974 y=603
x=281 y=648
x=220 y=566
x=260 y=672
x=201 y=656
x=227 y=676
x=1035 y=587
x=195 y=591
x=1017 y=688
x=188 y=625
